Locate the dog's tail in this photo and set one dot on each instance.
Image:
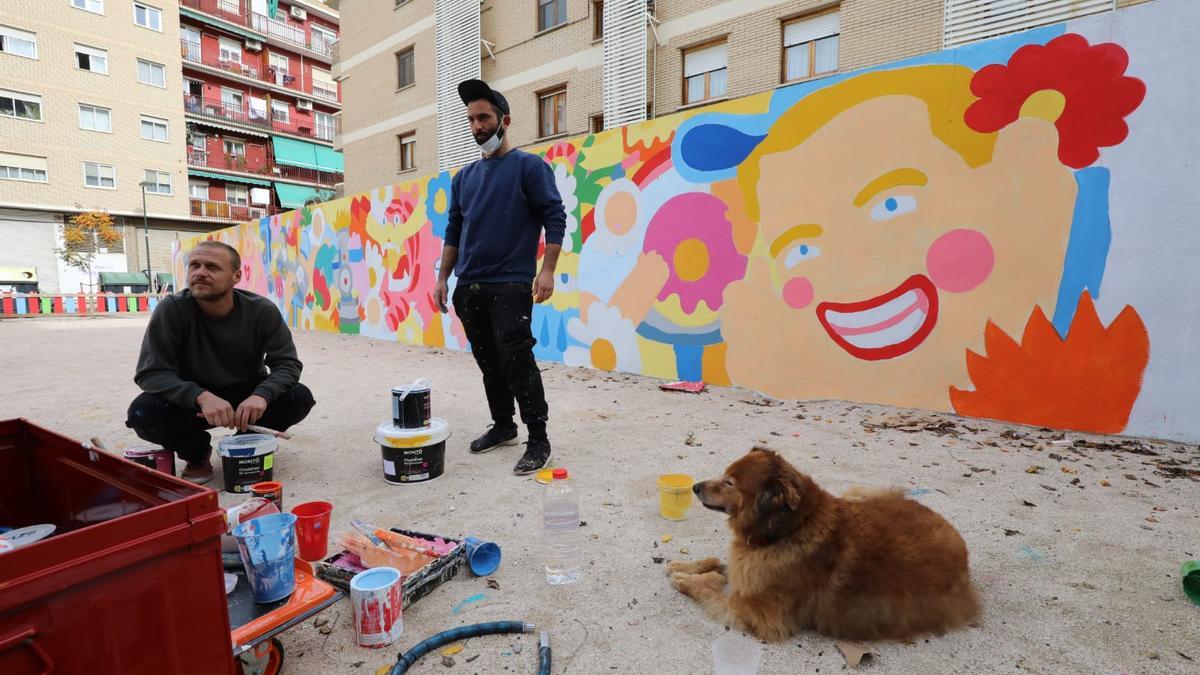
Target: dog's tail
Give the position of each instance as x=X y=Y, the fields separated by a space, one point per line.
x=862 y=493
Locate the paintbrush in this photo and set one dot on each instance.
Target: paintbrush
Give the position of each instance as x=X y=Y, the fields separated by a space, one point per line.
x=367 y=531
x=271 y=432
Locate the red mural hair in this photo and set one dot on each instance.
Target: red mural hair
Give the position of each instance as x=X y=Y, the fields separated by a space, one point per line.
x=1093 y=94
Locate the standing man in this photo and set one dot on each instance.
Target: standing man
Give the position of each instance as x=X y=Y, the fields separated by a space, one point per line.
x=499 y=206
x=205 y=360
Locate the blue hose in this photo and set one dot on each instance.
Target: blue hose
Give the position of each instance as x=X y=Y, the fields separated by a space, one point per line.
x=407 y=659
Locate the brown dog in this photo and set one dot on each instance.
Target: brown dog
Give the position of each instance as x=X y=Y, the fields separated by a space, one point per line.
x=869 y=566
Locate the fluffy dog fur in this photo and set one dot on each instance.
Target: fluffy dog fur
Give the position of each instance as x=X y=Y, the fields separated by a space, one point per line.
x=871 y=565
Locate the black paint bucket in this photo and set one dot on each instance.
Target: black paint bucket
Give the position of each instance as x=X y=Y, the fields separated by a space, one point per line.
x=411 y=408
x=413 y=455
x=247 y=459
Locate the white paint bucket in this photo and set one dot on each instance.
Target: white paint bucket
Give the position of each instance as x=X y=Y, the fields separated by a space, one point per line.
x=377 y=597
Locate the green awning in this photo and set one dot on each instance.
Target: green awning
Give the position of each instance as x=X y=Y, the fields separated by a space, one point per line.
x=164 y=279
x=236 y=179
x=330 y=159
x=294 y=196
x=295 y=153
x=123 y=279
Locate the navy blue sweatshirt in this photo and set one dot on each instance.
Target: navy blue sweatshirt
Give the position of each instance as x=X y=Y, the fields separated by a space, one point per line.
x=498 y=208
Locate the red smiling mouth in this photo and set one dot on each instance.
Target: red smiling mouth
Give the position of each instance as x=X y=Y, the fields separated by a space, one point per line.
x=886 y=326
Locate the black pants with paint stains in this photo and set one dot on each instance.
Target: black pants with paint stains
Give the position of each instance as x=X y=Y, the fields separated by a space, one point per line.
x=157 y=420
x=497 y=319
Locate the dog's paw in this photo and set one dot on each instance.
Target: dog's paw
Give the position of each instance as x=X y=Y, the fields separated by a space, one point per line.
x=681 y=581
x=675 y=566
x=695 y=567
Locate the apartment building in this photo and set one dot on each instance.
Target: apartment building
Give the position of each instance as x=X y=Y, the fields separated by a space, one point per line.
x=570 y=67
x=207 y=112
x=261 y=106
x=89 y=120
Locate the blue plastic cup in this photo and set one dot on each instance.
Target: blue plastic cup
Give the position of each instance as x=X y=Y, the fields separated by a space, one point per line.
x=268 y=548
x=482 y=556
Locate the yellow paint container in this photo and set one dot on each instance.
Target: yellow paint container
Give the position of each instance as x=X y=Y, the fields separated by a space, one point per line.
x=674 y=495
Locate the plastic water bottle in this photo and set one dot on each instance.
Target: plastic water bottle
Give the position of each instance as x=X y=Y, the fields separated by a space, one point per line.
x=560 y=523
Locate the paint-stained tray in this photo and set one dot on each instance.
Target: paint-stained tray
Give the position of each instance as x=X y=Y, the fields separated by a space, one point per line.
x=416 y=586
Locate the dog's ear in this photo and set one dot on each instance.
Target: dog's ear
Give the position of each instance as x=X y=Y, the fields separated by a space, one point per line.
x=776 y=509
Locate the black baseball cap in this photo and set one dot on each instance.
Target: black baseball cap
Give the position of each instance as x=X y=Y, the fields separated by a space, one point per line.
x=474 y=90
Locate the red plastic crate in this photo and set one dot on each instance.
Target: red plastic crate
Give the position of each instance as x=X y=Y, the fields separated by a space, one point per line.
x=131 y=582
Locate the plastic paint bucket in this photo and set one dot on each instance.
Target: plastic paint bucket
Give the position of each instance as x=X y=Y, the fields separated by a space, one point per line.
x=312 y=529
x=377 y=597
x=154 y=457
x=247 y=459
x=268 y=547
x=411 y=408
x=482 y=556
x=674 y=495
x=271 y=491
x=413 y=455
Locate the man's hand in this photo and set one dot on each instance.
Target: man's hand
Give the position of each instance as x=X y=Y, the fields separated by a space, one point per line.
x=543 y=286
x=250 y=411
x=216 y=410
x=440 y=295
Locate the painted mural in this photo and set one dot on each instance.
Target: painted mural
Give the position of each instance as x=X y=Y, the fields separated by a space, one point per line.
x=933 y=234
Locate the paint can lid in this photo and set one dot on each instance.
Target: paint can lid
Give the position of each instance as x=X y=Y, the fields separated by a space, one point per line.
x=28 y=535
x=560 y=474
x=247 y=445
x=392 y=436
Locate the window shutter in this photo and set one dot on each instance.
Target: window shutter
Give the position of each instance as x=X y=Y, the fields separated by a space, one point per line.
x=457 y=41
x=975 y=20
x=624 y=62
x=705 y=60
x=807 y=30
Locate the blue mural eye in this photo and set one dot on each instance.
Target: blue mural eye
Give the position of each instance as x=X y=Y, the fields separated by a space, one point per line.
x=800 y=254
x=564 y=277
x=893 y=206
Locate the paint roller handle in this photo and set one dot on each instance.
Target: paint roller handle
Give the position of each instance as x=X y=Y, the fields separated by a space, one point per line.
x=270 y=432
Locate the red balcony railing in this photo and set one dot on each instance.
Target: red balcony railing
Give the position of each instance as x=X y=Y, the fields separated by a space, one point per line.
x=202 y=159
x=193 y=53
x=208 y=209
x=236 y=12
x=231 y=110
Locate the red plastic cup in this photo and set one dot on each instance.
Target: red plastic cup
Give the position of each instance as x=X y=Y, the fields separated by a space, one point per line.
x=312 y=529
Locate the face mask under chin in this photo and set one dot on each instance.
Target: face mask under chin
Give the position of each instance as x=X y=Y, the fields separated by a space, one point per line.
x=492 y=144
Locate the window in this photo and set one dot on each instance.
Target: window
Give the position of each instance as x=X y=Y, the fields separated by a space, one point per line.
x=232 y=99
x=231 y=50
x=22 y=167
x=281 y=111
x=21 y=106
x=238 y=195
x=704 y=73
x=326 y=127
x=19 y=42
x=597 y=19
x=152 y=73
x=322 y=39
x=408 y=151
x=551 y=13
x=154 y=128
x=102 y=176
x=323 y=85
x=147 y=16
x=88 y=58
x=235 y=148
x=198 y=190
x=597 y=123
x=160 y=182
x=280 y=62
x=95 y=118
x=810 y=46
x=552 y=113
x=96 y=6
x=406 y=73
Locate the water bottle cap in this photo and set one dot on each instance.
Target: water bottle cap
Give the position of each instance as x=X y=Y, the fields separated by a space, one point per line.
x=560 y=474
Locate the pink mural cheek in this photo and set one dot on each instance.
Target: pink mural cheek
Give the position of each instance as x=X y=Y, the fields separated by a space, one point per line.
x=798 y=293
x=960 y=260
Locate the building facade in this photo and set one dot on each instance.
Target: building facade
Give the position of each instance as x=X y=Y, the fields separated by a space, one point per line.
x=174 y=118
x=549 y=59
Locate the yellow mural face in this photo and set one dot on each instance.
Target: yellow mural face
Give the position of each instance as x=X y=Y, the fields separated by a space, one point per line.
x=881 y=255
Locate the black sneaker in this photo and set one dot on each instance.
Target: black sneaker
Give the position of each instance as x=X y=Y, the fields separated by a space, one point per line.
x=493 y=438
x=536 y=457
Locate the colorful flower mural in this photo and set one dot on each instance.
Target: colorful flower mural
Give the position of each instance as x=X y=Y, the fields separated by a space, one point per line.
x=872 y=236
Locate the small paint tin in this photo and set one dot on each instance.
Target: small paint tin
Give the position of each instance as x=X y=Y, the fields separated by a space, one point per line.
x=153 y=457
x=271 y=491
x=411 y=407
x=377 y=598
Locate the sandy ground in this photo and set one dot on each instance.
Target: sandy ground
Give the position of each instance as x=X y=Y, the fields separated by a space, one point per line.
x=1076 y=577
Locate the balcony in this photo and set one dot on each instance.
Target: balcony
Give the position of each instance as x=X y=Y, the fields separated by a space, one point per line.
x=235 y=12
x=270 y=75
x=201 y=159
x=207 y=209
x=233 y=111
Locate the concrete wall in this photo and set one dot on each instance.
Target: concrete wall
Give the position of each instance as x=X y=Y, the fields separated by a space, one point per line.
x=968 y=231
